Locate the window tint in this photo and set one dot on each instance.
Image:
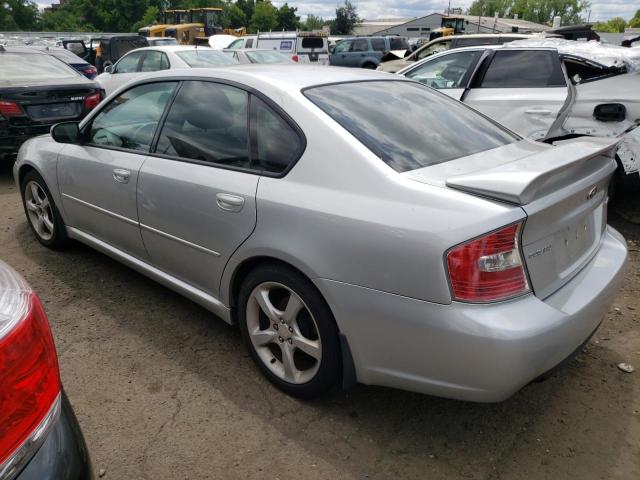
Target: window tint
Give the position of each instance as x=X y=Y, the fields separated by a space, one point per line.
x=130 y=120
x=470 y=42
x=267 y=56
x=448 y=71
x=398 y=43
x=249 y=43
x=360 y=45
x=407 y=125
x=207 y=122
x=129 y=63
x=524 y=69
x=377 y=44
x=154 y=61
x=343 y=46
x=274 y=143
x=312 y=42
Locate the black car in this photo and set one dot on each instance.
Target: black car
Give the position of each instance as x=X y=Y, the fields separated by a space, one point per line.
x=37 y=91
x=39 y=435
x=105 y=50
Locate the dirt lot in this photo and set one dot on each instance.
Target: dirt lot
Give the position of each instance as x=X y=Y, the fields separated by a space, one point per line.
x=164 y=390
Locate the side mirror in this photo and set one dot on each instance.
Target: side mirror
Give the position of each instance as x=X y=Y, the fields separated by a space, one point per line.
x=67 y=132
x=108 y=69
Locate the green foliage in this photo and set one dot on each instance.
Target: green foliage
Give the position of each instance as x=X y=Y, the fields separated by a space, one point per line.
x=151 y=17
x=247 y=6
x=346 y=19
x=234 y=16
x=635 y=21
x=615 y=25
x=287 y=18
x=264 y=18
x=18 y=15
x=538 y=11
x=313 y=23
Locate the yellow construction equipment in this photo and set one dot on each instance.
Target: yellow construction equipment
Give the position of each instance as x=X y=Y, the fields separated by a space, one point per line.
x=201 y=24
x=448 y=26
x=170 y=18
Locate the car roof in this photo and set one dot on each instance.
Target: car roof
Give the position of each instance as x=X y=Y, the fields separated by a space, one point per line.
x=249 y=50
x=284 y=77
x=10 y=49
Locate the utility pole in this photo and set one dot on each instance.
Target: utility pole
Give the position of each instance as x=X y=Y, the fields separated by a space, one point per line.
x=449 y=9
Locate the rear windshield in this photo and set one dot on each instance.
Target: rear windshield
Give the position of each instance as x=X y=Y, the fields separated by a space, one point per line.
x=312 y=42
x=267 y=56
x=29 y=67
x=407 y=125
x=203 y=58
x=398 y=43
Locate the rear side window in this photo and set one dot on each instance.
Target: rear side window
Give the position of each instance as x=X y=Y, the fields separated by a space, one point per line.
x=407 y=125
x=207 y=122
x=524 y=69
x=275 y=145
x=312 y=42
x=377 y=44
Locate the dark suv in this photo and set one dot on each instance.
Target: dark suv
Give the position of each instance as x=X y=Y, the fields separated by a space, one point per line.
x=365 y=52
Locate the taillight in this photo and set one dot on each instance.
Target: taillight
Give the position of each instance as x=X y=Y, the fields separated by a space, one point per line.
x=9 y=108
x=295 y=58
x=489 y=268
x=90 y=72
x=29 y=376
x=92 y=101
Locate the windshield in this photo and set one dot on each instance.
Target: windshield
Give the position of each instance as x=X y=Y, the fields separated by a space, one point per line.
x=407 y=125
x=204 y=58
x=38 y=67
x=267 y=56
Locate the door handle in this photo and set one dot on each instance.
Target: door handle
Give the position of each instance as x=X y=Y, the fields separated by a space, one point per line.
x=538 y=111
x=121 y=175
x=230 y=203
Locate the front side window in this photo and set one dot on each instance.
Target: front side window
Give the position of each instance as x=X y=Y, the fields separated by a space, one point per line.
x=207 y=122
x=130 y=120
x=524 y=69
x=275 y=145
x=343 y=46
x=448 y=71
x=129 y=63
x=407 y=125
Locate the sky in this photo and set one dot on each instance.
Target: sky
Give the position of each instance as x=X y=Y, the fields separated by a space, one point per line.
x=372 y=9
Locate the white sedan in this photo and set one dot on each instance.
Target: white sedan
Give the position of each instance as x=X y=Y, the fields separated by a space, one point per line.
x=152 y=59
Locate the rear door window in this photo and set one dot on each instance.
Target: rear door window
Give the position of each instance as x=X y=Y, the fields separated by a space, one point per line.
x=407 y=125
x=524 y=69
x=207 y=122
x=360 y=45
x=249 y=43
x=378 y=44
x=154 y=61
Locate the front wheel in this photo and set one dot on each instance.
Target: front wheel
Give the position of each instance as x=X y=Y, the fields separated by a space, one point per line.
x=289 y=331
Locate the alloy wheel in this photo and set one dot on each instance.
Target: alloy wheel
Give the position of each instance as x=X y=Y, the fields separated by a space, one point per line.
x=284 y=332
x=39 y=210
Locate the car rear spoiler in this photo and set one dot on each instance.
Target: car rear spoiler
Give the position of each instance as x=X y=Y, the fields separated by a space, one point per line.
x=529 y=178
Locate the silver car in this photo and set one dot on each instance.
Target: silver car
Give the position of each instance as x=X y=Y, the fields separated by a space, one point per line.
x=357 y=226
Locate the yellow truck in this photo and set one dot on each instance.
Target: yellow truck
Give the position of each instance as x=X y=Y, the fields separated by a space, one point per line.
x=202 y=23
x=170 y=18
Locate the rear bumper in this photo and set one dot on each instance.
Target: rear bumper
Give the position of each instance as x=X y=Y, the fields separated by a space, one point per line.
x=12 y=137
x=63 y=455
x=472 y=352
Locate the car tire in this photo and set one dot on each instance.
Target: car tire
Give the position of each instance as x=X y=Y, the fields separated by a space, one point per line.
x=42 y=213
x=289 y=331
x=369 y=66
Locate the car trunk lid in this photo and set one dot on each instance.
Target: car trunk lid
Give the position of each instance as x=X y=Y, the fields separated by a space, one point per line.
x=562 y=190
x=49 y=103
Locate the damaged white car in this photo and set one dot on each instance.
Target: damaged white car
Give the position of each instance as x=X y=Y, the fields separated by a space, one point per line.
x=547 y=90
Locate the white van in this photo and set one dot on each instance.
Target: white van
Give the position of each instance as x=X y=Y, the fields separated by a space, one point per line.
x=303 y=47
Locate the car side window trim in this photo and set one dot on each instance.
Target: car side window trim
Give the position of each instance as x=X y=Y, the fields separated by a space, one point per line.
x=85 y=128
x=302 y=144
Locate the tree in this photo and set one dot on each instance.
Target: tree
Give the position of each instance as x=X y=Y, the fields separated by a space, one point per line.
x=18 y=15
x=538 y=11
x=615 y=25
x=264 y=18
x=150 y=17
x=635 y=21
x=346 y=19
x=247 y=6
x=313 y=23
x=287 y=18
x=234 y=16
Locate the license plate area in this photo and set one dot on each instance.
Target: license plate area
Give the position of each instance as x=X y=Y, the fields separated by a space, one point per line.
x=50 y=111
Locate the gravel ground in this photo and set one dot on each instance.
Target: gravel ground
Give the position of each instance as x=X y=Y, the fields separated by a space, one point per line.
x=164 y=390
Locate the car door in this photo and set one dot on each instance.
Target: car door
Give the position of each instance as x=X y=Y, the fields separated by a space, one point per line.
x=358 y=54
x=98 y=177
x=124 y=70
x=449 y=72
x=196 y=192
x=340 y=52
x=524 y=90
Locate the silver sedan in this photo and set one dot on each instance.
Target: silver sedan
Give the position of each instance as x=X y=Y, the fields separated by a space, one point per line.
x=356 y=226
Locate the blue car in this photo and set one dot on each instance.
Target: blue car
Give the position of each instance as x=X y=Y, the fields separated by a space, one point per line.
x=73 y=60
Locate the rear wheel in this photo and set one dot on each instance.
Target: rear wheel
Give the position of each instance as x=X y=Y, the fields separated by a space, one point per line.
x=369 y=66
x=43 y=216
x=289 y=331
